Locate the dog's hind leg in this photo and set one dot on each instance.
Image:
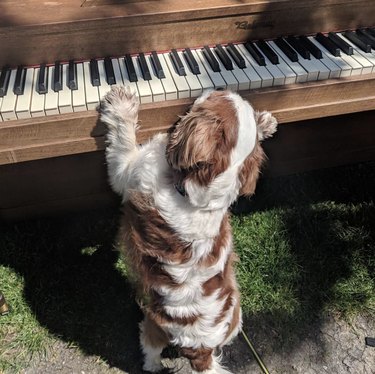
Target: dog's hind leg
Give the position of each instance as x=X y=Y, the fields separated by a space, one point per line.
x=203 y=361
x=153 y=340
x=119 y=111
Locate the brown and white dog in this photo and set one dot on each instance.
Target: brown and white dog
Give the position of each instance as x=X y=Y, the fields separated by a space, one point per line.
x=176 y=191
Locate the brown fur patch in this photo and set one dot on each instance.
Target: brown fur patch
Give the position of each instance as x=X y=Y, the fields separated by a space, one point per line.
x=153 y=334
x=221 y=240
x=200 y=144
x=235 y=319
x=250 y=170
x=149 y=241
x=200 y=358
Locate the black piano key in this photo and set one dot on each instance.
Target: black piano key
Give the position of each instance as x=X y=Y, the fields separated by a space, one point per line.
x=4 y=80
x=299 y=47
x=157 y=65
x=94 y=73
x=72 y=76
x=19 y=83
x=43 y=79
x=328 y=44
x=287 y=49
x=227 y=62
x=371 y=31
x=191 y=61
x=357 y=40
x=130 y=68
x=144 y=67
x=211 y=59
x=57 y=77
x=342 y=44
x=255 y=53
x=109 y=73
x=314 y=50
x=266 y=49
x=367 y=36
x=237 y=57
x=179 y=66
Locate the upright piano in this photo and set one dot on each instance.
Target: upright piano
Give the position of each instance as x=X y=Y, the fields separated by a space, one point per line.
x=310 y=62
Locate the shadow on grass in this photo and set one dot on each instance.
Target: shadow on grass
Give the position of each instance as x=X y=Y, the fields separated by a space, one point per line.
x=320 y=259
x=73 y=286
x=76 y=291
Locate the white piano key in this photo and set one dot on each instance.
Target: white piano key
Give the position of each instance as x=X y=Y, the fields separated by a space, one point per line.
x=292 y=70
x=356 y=66
x=367 y=60
x=51 y=104
x=254 y=79
x=104 y=87
x=37 y=99
x=264 y=74
x=310 y=67
x=192 y=80
x=125 y=77
x=301 y=73
x=117 y=72
x=65 y=95
x=324 y=72
x=216 y=78
x=78 y=95
x=156 y=86
x=278 y=76
x=170 y=88
x=239 y=74
x=334 y=70
x=183 y=89
x=346 y=69
x=91 y=92
x=24 y=101
x=228 y=76
x=145 y=93
x=203 y=77
x=8 y=107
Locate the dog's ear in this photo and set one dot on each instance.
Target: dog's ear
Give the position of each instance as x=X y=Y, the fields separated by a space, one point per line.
x=266 y=124
x=199 y=139
x=250 y=170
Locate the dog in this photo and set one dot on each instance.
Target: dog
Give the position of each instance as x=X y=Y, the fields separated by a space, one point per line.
x=176 y=190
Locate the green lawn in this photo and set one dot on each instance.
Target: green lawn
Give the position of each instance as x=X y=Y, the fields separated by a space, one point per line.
x=306 y=248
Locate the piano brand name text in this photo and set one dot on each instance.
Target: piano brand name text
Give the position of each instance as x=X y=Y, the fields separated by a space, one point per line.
x=246 y=25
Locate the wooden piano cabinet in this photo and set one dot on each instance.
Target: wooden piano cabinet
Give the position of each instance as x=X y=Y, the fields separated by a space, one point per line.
x=55 y=164
x=33 y=32
x=78 y=182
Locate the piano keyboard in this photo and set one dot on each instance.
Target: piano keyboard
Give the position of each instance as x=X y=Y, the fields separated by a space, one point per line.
x=78 y=86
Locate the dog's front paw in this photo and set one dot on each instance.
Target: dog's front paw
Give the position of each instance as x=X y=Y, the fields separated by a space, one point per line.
x=119 y=104
x=266 y=124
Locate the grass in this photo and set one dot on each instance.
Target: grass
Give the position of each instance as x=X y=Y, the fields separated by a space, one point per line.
x=305 y=243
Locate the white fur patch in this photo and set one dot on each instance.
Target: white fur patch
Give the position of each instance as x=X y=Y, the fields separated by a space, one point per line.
x=247 y=130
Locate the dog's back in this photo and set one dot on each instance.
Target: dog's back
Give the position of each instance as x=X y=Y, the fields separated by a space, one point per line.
x=176 y=191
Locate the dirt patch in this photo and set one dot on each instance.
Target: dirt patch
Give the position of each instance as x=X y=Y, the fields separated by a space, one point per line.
x=330 y=346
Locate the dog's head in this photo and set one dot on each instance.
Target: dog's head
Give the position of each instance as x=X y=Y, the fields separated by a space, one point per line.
x=215 y=151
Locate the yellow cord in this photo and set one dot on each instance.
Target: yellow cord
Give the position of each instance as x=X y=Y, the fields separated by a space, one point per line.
x=255 y=354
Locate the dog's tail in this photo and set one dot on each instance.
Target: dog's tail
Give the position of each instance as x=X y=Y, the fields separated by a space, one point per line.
x=119 y=112
x=266 y=124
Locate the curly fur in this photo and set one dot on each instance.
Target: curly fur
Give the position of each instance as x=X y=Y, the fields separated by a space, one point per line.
x=176 y=190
